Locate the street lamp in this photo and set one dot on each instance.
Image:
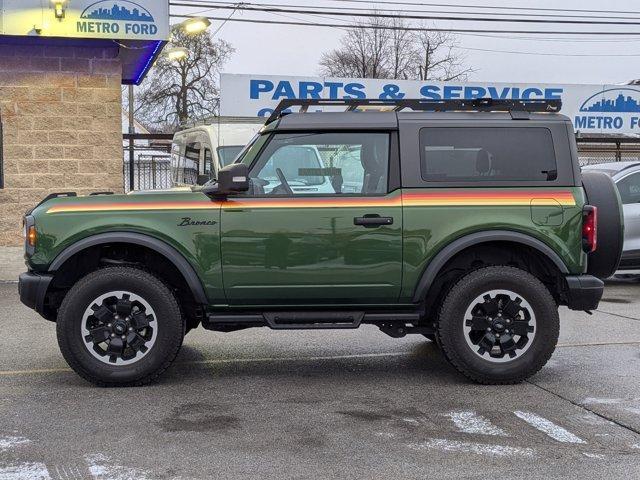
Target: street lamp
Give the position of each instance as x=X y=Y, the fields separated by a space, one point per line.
x=195 y=25
x=59 y=6
x=176 y=53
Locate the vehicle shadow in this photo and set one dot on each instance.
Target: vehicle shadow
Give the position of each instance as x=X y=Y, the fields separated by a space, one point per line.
x=424 y=359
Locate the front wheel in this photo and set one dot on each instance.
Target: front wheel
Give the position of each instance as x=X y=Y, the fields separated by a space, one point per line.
x=119 y=326
x=498 y=325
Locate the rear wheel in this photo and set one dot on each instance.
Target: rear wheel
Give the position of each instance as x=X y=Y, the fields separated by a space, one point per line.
x=119 y=326
x=498 y=325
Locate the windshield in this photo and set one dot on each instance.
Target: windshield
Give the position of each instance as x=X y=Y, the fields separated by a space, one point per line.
x=228 y=154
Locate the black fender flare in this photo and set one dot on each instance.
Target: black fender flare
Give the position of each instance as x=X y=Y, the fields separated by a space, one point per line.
x=159 y=246
x=455 y=247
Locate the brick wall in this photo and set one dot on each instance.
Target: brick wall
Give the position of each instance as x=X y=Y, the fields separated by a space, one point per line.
x=62 y=117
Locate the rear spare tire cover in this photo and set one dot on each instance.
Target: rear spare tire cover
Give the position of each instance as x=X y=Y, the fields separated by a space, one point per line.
x=602 y=193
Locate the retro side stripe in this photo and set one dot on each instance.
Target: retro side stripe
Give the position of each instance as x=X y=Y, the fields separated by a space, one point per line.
x=487 y=198
x=408 y=199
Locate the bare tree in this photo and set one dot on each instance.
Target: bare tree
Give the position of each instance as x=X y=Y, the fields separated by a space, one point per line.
x=401 y=50
x=386 y=49
x=437 y=57
x=177 y=90
x=363 y=52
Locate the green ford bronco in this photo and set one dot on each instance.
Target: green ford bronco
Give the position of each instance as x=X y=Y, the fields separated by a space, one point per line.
x=466 y=222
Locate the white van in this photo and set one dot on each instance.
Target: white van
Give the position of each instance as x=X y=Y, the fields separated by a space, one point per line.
x=201 y=149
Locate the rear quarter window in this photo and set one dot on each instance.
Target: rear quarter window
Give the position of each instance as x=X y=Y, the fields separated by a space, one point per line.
x=487 y=154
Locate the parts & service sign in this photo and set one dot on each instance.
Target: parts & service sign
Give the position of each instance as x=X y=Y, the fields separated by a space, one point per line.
x=611 y=109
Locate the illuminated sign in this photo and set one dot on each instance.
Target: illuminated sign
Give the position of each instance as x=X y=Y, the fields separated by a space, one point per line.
x=104 y=19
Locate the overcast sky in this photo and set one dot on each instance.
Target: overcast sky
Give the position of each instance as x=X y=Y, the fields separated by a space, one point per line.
x=292 y=50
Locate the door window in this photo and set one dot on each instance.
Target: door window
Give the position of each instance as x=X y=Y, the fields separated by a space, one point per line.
x=322 y=164
x=629 y=188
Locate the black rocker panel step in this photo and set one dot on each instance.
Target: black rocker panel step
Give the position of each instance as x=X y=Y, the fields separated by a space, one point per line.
x=313 y=320
x=310 y=319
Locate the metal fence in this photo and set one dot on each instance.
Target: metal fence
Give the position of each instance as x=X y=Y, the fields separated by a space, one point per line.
x=151 y=162
x=594 y=150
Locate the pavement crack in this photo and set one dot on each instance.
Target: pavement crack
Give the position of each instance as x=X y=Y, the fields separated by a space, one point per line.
x=600 y=415
x=618 y=315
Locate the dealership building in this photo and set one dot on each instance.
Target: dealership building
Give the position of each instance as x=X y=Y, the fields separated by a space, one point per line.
x=62 y=67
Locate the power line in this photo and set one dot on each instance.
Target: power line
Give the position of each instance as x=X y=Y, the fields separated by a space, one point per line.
x=552 y=54
x=406 y=17
x=417 y=29
x=370 y=9
x=489 y=7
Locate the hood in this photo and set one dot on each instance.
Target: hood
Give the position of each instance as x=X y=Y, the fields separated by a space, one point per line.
x=137 y=201
x=166 y=190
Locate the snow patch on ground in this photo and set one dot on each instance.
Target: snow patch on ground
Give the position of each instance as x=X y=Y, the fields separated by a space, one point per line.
x=601 y=401
x=455 y=446
x=102 y=468
x=24 y=471
x=471 y=422
x=549 y=428
x=7 y=443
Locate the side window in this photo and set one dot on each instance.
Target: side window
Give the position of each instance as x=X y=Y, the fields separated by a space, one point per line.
x=208 y=161
x=629 y=188
x=472 y=154
x=322 y=164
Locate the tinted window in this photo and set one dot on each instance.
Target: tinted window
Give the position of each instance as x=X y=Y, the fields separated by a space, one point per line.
x=323 y=164
x=629 y=188
x=487 y=154
x=228 y=154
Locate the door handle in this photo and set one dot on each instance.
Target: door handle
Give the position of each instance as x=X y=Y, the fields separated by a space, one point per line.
x=372 y=221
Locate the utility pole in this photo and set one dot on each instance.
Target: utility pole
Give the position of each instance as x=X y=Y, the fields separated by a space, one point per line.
x=132 y=130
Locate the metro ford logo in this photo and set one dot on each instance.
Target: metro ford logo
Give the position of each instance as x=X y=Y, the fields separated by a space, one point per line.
x=611 y=109
x=121 y=16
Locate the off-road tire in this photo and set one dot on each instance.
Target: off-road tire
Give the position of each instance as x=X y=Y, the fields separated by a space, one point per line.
x=602 y=193
x=171 y=327
x=451 y=336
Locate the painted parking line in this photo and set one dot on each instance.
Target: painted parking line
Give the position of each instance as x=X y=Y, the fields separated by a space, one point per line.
x=223 y=361
x=470 y=422
x=455 y=446
x=549 y=428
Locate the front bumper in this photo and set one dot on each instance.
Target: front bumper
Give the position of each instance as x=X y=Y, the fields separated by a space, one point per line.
x=584 y=292
x=32 y=288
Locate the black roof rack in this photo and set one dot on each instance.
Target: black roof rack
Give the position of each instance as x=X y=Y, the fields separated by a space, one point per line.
x=518 y=108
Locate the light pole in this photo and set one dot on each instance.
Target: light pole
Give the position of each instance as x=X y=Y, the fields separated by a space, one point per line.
x=132 y=131
x=191 y=26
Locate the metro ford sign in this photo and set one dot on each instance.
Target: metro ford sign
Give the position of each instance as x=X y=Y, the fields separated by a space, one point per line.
x=610 y=109
x=102 y=19
x=109 y=17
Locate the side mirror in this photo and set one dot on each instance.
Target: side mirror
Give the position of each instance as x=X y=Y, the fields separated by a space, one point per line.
x=202 y=179
x=232 y=179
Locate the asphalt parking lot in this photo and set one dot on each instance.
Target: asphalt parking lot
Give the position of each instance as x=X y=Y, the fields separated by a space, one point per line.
x=343 y=404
